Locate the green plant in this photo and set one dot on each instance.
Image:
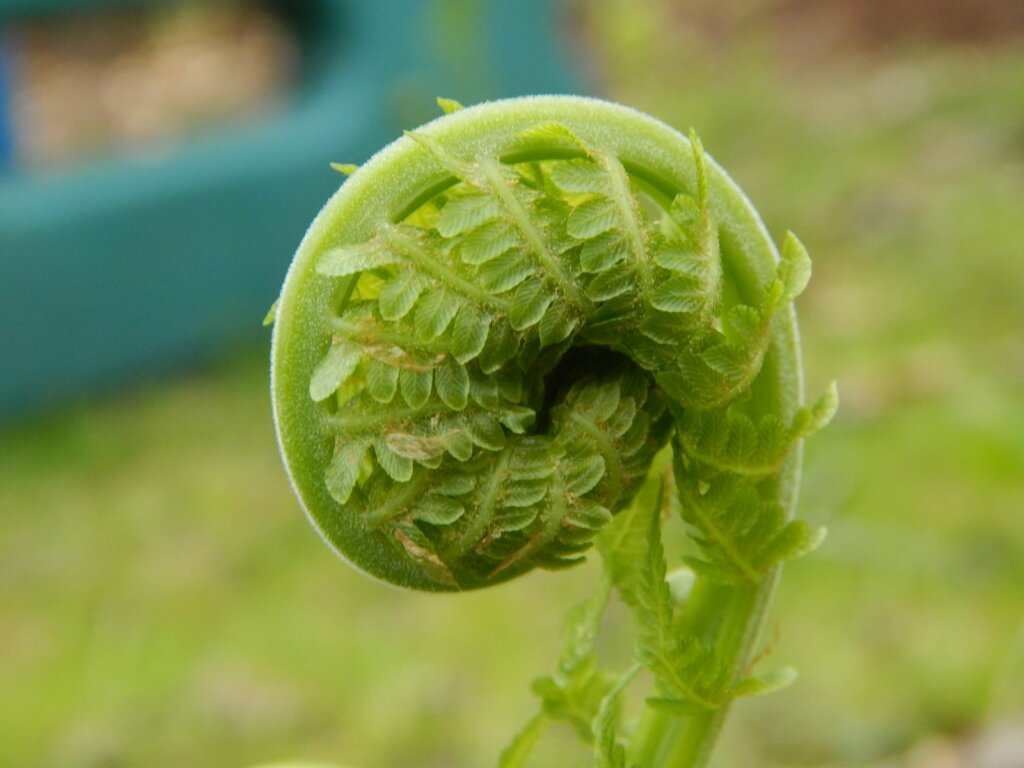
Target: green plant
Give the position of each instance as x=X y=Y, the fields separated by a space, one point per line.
x=532 y=327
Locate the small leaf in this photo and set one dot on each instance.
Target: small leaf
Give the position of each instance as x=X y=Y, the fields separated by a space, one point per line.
x=398 y=468
x=271 y=313
x=528 y=304
x=486 y=431
x=584 y=476
x=381 y=381
x=502 y=345
x=590 y=515
x=484 y=391
x=770 y=682
x=533 y=459
x=743 y=436
x=620 y=422
x=437 y=510
x=610 y=284
x=435 y=312
x=747 y=325
x=557 y=324
x=794 y=268
x=517 y=418
x=415 y=386
x=333 y=371
x=510 y=385
x=346 y=168
x=505 y=272
x=465 y=212
x=551 y=133
x=343 y=471
x=469 y=333
x=487 y=241
x=399 y=294
x=455 y=484
x=772 y=436
x=678 y=259
x=580 y=177
x=634 y=437
x=451 y=380
x=448 y=105
x=603 y=252
x=523 y=493
x=591 y=218
x=794 y=540
x=823 y=410
x=674 y=383
x=678 y=294
x=459 y=445
x=730 y=361
x=514 y=518
x=598 y=401
x=685 y=211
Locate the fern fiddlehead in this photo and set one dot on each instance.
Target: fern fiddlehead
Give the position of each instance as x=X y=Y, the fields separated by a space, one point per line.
x=485 y=339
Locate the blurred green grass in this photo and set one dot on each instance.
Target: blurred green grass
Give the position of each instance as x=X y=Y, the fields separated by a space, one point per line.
x=163 y=602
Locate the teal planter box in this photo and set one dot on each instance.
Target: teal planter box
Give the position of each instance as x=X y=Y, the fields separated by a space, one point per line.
x=112 y=271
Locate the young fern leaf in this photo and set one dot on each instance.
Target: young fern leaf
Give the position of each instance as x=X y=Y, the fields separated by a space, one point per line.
x=518 y=750
x=448 y=105
x=721 y=457
x=574 y=693
x=485 y=339
x=727 y=440
x=609 y=752
x=688 y=673
x=741 y=535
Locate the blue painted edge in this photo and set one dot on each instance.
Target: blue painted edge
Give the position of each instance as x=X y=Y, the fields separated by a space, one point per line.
x=6 y=89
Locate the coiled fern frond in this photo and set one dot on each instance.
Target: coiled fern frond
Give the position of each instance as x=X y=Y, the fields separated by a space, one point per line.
x=495 y=325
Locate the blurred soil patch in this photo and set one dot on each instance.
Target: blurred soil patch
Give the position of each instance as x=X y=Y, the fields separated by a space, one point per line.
x=1001 y=746
x=806 y=28
x=868 y=23
x=94 y=81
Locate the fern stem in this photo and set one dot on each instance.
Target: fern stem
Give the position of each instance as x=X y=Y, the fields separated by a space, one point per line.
x=741 y=613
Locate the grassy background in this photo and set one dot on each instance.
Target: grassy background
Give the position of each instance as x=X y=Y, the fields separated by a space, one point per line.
x=163 y=602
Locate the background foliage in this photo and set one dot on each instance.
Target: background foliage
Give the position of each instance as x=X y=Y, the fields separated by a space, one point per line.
x=163 y=602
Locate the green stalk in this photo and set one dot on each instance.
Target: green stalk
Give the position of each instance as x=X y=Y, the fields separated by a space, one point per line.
x=730 y=619
x=740 y=615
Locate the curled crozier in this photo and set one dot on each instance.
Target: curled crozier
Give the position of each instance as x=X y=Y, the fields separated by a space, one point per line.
x=496 y=323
